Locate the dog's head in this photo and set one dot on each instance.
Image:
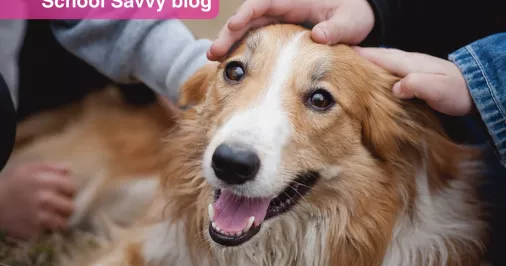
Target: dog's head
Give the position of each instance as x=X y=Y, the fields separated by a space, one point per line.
x=291 y=129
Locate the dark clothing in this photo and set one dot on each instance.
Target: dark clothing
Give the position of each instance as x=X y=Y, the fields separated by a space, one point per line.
x=436 y=27
x=8 y=123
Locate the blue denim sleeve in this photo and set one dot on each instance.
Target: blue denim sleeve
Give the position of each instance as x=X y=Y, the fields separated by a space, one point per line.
x=483 y=65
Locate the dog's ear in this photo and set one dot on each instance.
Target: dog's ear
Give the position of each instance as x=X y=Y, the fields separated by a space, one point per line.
x=193 y=91
x=391 y=126
x=394 y=129
x=385 y=123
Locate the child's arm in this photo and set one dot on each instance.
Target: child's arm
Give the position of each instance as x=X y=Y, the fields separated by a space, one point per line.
x=483 y=65
x=160 y=53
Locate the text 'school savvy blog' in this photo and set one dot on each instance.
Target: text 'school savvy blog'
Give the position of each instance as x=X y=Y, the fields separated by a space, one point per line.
x=204 y=5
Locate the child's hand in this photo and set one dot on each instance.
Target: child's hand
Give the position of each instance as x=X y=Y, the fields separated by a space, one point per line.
x=35 y=198
x=438 y=82
x=343 y=21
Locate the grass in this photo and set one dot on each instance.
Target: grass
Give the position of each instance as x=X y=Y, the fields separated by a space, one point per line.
x=48 y=251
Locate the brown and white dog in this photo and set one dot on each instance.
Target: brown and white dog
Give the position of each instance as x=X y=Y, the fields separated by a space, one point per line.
x=298 y=154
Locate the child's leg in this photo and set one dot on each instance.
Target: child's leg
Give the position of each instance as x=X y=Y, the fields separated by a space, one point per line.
x=7 y=123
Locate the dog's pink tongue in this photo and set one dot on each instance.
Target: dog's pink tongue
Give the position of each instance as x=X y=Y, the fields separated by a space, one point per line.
x=232 y=212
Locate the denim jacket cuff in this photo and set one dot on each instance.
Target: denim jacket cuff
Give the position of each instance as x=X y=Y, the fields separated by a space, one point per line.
x=480 y=73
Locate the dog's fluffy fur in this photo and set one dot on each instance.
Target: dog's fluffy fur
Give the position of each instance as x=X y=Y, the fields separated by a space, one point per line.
x=111 y=148
x=393 y=189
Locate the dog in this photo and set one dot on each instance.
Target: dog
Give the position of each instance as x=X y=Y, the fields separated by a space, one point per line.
x=297 y=153
x=111 y=149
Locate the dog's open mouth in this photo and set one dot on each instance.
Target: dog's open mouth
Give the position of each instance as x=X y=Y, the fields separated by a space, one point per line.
x=236 y=219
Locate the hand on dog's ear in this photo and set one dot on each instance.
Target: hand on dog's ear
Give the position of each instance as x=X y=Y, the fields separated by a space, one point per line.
x=193 y=91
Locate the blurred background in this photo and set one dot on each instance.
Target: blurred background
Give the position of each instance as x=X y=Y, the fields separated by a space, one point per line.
x=209 y=28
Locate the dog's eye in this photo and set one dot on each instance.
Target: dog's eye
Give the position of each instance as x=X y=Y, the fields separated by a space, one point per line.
x=234 y=71
x=320 y=100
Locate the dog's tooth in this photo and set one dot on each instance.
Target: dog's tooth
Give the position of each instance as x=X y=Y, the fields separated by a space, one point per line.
x=251 y=220
x=210 y=210
x=238 y=233
x=213 y=224
x=218 y=228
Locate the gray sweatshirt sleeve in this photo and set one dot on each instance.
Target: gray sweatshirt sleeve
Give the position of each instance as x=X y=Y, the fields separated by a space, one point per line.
x=11 y=39
x=160 y=53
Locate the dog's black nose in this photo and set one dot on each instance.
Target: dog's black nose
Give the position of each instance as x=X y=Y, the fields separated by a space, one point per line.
x=235 y=164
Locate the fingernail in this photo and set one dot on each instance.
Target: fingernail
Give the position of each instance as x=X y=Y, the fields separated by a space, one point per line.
x=212 y=47
x=397 y=89
x=325 y=34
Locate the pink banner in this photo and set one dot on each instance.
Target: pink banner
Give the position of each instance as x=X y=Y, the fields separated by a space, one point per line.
x=109 y=9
